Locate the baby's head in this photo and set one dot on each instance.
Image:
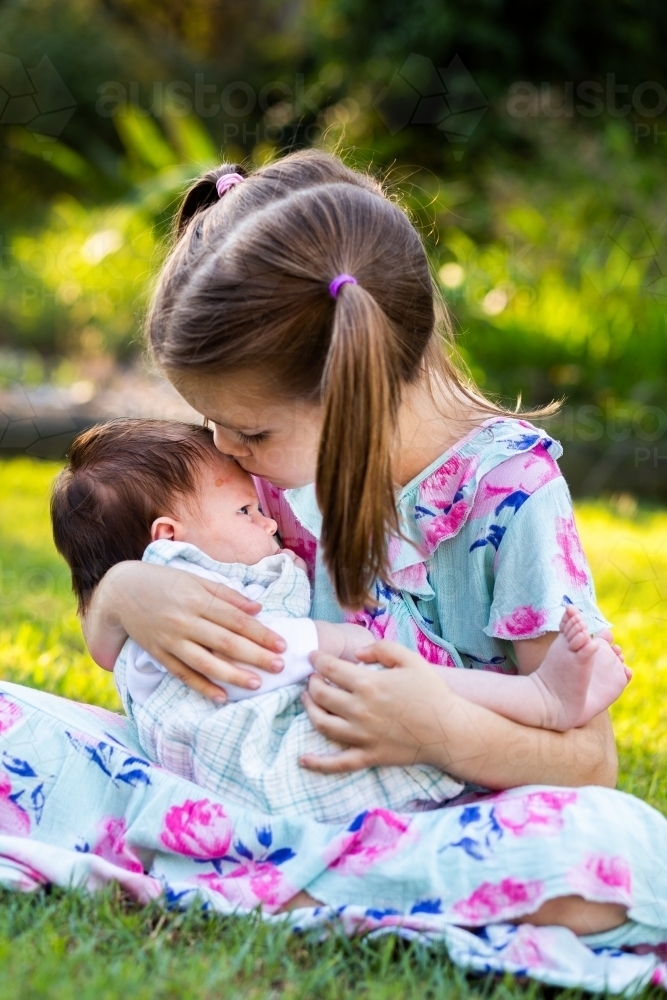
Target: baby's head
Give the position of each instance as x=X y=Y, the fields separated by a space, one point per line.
x=130 y=482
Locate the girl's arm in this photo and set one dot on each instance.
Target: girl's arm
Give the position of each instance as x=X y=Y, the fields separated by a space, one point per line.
x=410 y=715
x=197 y=629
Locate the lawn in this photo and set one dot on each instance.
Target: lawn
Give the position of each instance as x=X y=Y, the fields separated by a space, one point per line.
x=61 y=945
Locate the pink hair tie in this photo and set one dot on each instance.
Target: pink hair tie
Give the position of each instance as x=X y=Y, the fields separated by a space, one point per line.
x=339 y=281
x=227 y=181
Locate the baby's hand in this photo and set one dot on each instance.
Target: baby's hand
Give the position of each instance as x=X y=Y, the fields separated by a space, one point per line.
x=342 y=639
x=297 y=560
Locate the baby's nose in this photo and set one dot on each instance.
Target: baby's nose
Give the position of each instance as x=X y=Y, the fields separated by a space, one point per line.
x=269 y=525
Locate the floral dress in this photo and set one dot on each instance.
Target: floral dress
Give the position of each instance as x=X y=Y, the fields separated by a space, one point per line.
x=490 y=552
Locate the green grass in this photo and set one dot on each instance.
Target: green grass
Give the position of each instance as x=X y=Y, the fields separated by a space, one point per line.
x=64 y=945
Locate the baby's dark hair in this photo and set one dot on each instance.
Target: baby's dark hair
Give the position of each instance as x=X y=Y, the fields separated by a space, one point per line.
x=119 y=478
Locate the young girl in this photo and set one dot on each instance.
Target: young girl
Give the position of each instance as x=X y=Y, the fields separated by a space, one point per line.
x=297 y=313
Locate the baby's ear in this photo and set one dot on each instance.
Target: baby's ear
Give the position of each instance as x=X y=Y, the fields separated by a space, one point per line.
x=163 y=527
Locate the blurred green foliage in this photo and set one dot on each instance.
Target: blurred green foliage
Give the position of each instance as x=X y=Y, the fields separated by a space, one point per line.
x=546 y=217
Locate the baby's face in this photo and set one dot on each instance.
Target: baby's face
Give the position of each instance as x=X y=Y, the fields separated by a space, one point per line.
x=223 y=518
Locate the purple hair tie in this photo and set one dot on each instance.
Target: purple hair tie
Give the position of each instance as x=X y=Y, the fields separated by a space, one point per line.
x=339 y=281
x=227 y=181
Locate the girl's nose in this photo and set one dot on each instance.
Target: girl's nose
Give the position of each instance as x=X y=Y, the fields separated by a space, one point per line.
x=227 y=445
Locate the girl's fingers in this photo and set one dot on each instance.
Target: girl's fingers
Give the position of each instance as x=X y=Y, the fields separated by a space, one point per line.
x=233 y=597
x=203 y=662
x=347 y=676
x=194 y=680
x=353 y=759
x=331 y=726
x=389 y=654
x=331 y=699
x=220 y=613
x=232 y=647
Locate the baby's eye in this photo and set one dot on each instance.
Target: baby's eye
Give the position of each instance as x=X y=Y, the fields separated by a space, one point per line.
x=244 y=510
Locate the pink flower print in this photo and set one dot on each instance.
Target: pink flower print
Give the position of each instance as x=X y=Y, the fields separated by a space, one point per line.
x=13 y=820
x=431 y=651
x=525 y=622
x=199 y=829
x=111 y=845
x=250 y=884
x=411 y=578
x=603 y=878
x=534 y=813
x=445 y=491
x=10 y=713
x=496 y=902
x=381 y=625
x=525 y=948
x=571 y=558
x=372 y=837
x=521 y=475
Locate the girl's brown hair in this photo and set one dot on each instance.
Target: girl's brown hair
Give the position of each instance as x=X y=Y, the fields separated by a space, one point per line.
x=247 y=285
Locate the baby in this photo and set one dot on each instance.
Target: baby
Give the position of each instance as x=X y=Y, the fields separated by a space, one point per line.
x=160 y=491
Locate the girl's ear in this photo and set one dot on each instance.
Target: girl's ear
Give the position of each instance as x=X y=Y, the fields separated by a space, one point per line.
x=164 y=527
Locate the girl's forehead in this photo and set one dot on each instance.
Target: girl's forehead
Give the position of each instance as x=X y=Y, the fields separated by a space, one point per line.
x=242 y=402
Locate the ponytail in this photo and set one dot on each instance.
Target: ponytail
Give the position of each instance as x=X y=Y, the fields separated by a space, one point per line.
x=355 y=488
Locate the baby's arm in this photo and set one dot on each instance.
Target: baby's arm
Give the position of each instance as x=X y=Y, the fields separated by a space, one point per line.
x=578 y=678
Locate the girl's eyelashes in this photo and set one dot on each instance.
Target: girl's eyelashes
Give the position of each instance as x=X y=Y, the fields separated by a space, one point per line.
x=244 y=510
x=252 y=438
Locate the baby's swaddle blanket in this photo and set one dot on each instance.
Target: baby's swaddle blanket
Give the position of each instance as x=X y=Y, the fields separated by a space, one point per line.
x=275 y=582
x=248 y=750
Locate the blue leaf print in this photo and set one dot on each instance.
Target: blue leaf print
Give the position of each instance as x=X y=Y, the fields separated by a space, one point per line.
x=427 y=906
x=280 y=856
x=523 y=442
x=243 y=850
x=114 y=739
x=494 y=537
x=514 y=500
x=357 y=822
x=473 y=848
x=482 y=832
x=264 y=836
x=17 y=766
x=173 y=898
x=566 y=599
x=471 y=814
x=382 y=590
x=423 y=512
x=495 y=661
x=379 y=914
x=107 y=758
x=133 y=778
x=38 y=799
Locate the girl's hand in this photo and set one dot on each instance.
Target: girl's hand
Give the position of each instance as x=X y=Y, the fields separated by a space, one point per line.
x=392 y=717
x=196 y=628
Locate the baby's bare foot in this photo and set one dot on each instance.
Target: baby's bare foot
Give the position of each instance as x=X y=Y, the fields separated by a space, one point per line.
x=580 y=676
